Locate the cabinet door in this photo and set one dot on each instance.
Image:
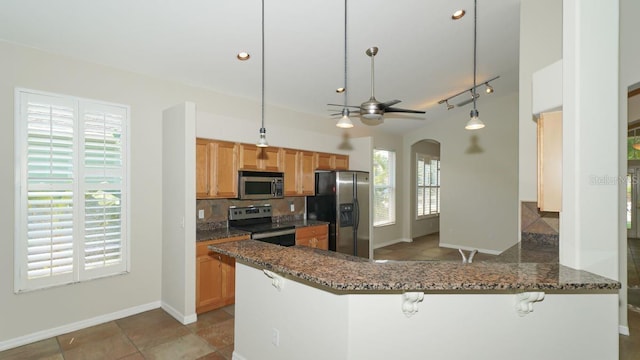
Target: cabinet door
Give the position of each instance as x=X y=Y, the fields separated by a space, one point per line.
x=341 y=162
x=550 y=161
x=209 y=293
x=270 y=158
x=313 y=236
x=307 y=175
x=290 y=168
x=203 y=168
x=323 y=161
x=249 y=157
x=226 y=170
x=228 y=279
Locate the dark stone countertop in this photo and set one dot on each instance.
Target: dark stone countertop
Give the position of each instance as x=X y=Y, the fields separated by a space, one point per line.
x=339 y=272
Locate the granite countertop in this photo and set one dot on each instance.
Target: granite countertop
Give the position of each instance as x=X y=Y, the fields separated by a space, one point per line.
x=224 y=232
x=345 y=273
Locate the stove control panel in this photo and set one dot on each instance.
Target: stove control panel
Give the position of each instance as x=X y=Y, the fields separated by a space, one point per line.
x=250 y=212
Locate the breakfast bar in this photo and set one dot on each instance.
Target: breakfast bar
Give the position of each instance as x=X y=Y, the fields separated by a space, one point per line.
x=297 y=302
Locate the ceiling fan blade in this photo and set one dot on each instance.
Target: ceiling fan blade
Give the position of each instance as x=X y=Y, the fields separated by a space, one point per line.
x=390 y=103
x=342 y=105
x=392 y=109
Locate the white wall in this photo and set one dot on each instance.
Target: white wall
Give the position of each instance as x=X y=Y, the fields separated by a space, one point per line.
x=44 y=313
x=540 y=45
x=478 y=173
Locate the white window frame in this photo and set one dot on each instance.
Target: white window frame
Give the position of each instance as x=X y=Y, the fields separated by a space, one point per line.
x=427 y=200
x=82 y=108
x=390 y=186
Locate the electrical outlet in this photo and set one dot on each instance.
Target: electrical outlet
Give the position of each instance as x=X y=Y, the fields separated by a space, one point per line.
x=293 y=207
x=200 y=214
x=275 y=337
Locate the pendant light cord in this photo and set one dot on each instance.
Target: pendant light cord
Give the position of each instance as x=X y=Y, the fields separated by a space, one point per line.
x=475 y=37
x=345 y=55
x=262 y=64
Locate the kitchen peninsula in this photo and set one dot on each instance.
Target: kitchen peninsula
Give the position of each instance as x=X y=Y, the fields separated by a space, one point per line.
x=296 y=302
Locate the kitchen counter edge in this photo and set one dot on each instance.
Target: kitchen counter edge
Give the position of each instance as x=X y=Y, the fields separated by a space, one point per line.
x=345 y=273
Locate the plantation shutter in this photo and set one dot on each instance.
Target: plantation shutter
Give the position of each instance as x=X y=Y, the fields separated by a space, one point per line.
x=50 y=124
x=103 y=173
x=71 y=199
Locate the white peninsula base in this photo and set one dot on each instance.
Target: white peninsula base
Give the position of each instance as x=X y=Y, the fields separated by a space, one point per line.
x=283 y=318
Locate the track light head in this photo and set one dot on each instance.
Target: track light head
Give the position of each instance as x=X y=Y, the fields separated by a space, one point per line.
x=488 y=88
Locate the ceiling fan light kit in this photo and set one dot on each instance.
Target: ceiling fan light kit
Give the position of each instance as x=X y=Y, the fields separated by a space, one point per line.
x=262 y=141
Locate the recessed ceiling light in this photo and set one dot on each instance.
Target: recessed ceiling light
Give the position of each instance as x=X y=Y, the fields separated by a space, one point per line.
x=340 y=90
x=458 y=14
x=242 y=56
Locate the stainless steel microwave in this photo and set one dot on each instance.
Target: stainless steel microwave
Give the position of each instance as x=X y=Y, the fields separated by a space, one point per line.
x=260 y=185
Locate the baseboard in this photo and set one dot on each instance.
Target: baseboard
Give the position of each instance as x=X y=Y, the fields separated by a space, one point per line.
x=469 y=248
x=48 y=333
x=184 y=319
x=623 y=330
x=391 y=242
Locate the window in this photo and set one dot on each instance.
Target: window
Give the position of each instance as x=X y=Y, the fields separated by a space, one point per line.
x=428 y=185
x=71 y=193
x=384 y=189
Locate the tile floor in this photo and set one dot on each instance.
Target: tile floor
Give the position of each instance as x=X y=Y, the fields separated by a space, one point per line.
x=156 y=335
x=150 y=335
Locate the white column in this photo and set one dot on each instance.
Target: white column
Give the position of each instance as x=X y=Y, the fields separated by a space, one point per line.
x=589 y=216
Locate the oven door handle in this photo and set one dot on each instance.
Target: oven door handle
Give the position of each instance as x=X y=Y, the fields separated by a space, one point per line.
x=269 y=234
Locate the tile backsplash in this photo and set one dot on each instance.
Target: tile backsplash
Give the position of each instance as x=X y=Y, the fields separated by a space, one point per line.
x=537 y=226
x=216 y=211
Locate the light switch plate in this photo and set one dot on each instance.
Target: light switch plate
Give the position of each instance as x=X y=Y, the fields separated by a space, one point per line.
x=201 y=214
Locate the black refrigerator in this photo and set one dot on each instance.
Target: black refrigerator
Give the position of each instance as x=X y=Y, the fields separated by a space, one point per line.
x=342 y=199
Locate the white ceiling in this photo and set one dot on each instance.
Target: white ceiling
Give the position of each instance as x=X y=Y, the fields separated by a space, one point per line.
x=424 y=55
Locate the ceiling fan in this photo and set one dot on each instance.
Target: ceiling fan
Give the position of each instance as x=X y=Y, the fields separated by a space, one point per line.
x=373 y=109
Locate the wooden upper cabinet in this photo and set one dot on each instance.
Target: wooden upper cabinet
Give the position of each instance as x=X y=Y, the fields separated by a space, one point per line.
x=550 y=161
x=307 y=173
x=226 y=169
x=341 y=162
x=291 y=168
x=326 y=161
x=263 y=159
x=216 y=169
x=203 y=168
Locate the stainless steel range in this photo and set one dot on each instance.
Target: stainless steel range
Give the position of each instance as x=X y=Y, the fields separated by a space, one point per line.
x=258 y=221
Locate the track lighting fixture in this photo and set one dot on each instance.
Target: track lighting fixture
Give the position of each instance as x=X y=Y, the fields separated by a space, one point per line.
x=488 y=88
x=469 y=90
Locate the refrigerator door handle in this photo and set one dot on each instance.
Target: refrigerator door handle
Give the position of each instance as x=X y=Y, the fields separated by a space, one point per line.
x=356 y=214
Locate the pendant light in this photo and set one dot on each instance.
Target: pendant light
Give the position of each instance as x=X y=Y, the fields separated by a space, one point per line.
x=475 y=122
x=344 y=121
x=262 y=141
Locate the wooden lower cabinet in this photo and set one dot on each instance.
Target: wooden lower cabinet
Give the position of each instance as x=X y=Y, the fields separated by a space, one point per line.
x=215 y=276
x=313 y=236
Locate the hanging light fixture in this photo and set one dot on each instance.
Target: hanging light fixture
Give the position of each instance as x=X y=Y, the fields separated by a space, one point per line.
x=344 y=121
x=475 y=122
x=262 y=141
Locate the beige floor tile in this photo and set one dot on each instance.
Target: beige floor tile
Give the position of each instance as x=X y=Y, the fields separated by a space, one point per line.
x=45 y=349
x=78 y=338
x=213 y=356
x=152 y=328
x=112 y=347
x=227 y=352
x=219 y=335
x=209 y=318
x=187 y=347
x=136 y=356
